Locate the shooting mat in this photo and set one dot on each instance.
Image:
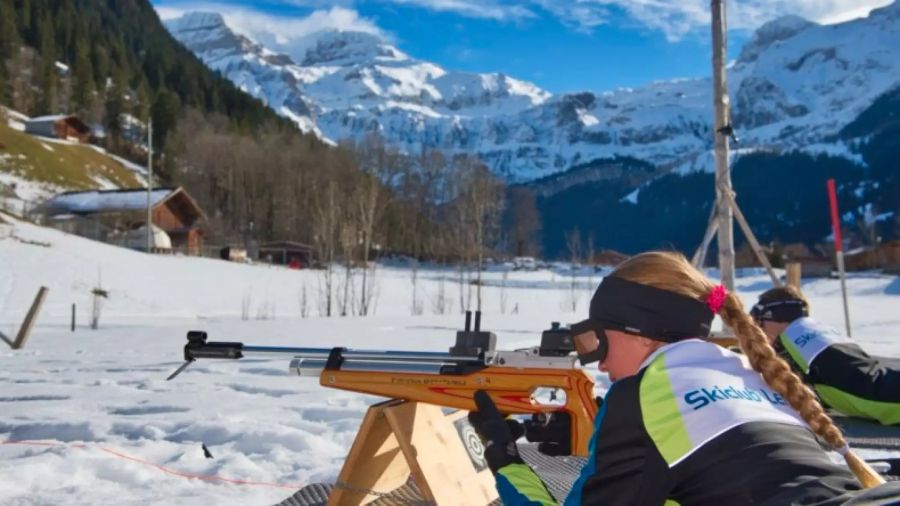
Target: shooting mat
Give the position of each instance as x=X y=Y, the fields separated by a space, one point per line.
x=560 y=473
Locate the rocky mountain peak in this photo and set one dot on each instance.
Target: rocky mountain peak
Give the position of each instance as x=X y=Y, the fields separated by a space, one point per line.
x=198 y=20
x=777 y=30
x=345 y=48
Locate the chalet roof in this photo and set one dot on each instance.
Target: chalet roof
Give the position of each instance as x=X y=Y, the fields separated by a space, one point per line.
x=49 y=117
x=286 y=245
x=101 y=201
x=71 y=119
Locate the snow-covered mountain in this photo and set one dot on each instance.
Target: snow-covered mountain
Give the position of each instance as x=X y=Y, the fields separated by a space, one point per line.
x=794 y=86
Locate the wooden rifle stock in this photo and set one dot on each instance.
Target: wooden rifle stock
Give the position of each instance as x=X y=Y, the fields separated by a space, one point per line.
x=511 y=389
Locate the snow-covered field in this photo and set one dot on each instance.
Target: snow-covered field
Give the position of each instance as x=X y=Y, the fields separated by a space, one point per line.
x=112 y=430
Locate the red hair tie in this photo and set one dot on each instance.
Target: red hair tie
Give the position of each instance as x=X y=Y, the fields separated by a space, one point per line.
x=716 y=298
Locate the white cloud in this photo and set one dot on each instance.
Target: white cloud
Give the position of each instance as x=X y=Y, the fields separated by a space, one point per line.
x=286 y=33
x=250 y=22
x=486 y=9
x=578 y=15
x=676 y=18
x=673 y=18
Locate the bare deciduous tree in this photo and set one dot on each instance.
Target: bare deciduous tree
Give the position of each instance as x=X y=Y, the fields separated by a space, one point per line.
x=573 y=245
x=480 y=202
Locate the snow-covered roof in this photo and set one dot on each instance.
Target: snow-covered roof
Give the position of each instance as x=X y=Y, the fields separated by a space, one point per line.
x=99 y=201
x=49 y=117
x=16 y=115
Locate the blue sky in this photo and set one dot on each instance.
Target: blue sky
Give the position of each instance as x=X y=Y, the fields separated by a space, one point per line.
x=560 y=45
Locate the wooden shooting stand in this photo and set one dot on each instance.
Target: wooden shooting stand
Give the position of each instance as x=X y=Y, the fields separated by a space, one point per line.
x=398 y=440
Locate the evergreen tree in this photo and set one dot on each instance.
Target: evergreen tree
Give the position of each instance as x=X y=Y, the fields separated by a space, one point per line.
x=165 y=114
x=65 y=18
x=109 y=39
x=48 y=72
x=115 y=106
x=25 y=27
x=100 y=62
x=50 y=88
x=82 y=77
x=140 y=104
x=47 y=38
x=9 y=33
x=9 y=44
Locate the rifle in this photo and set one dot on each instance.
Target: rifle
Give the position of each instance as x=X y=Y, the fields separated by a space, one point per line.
x=516 y=380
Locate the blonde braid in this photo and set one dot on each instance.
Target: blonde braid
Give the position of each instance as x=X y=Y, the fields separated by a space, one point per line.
x=778 y=375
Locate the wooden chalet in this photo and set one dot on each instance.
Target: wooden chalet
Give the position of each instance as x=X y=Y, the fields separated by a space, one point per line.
x=114 y=215
x=59 y=126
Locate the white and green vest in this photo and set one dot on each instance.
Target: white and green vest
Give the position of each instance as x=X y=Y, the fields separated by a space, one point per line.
x=804 y=339
x=692 y=391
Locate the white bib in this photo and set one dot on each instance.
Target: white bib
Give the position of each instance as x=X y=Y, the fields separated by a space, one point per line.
x=693 y=391
x=804 y=339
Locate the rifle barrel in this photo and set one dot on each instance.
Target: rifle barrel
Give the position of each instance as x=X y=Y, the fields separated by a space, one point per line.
x=284 y=350
x=368 y=355
x=315 y=366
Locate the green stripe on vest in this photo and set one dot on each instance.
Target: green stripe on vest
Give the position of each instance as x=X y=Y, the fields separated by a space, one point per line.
x=660 y=412
x=794 y=352
x=527 y=483
x=887 y=413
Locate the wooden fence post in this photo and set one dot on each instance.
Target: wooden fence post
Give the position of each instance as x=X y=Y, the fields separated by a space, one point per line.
x=794 y=270
x=28 y=323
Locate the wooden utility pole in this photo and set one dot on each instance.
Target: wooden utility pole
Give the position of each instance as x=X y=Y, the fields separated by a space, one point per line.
x=722 y=130
x=149 y=185
x=725 y=208
x=28 y=323
x=794 y=270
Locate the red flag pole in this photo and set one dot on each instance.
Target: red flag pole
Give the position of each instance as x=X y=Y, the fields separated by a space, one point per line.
x=839 y=248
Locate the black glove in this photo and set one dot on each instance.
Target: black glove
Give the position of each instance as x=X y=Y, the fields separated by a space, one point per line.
x=552 y=431
x=498 y=434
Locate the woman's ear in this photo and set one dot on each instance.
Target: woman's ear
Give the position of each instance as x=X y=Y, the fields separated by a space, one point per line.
x=648 y=343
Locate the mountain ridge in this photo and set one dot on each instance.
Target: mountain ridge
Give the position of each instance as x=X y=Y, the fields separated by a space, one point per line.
x=795 y=85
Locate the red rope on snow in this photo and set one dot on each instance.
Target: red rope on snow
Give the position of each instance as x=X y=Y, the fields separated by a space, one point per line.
x=180 y=474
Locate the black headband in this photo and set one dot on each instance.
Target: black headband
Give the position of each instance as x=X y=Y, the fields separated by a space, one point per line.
x=783 y=311
x=619 y=304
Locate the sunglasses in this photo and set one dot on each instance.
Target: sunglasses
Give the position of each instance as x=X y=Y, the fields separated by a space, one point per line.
x=590 y=341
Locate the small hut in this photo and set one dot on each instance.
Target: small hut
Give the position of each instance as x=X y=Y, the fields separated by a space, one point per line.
x=290 y=253
x=59 y=126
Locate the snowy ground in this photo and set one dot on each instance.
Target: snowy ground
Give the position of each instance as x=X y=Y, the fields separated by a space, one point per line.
x=114 y=431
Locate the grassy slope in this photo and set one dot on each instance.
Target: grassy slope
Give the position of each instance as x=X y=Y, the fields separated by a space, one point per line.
x=69 y=166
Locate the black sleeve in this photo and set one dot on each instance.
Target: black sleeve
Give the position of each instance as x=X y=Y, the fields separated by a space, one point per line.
x=625 y=466
x=846 y=367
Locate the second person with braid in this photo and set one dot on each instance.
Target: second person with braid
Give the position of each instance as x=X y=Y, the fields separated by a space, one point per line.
x=686 y=421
